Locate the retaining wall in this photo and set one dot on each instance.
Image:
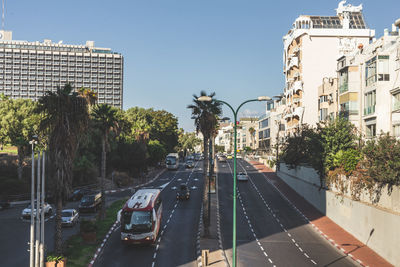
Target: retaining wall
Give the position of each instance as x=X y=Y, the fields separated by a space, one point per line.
x=376 y=225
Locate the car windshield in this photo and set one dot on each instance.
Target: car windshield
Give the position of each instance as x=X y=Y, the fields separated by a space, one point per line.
x=137 y=221
x=242 y=173
x=87 y=199
x=66 y=214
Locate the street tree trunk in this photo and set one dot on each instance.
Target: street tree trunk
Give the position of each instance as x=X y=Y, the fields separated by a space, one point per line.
x=103 y=176
x=206 y=212
x=58 y=229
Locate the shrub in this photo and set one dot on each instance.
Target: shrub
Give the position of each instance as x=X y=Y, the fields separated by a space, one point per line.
x=88 y=226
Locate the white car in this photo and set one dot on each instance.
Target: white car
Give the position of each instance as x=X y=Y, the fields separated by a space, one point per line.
x=26 y=213
x=241 y=176
x=69 y=217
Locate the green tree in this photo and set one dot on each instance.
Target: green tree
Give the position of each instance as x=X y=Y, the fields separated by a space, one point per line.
x=157 y=151
x=18 y=123
x=65 y=119
x=205 y=116
x=107 y=119
x=187 y=142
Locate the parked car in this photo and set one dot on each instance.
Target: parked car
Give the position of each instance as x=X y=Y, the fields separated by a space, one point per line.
x=242 y=176
x=79 y=193
x=183 y=192
x=26 y=213
x=189 y=164
x=90 y=203
x=69 y=217
x=229 y=156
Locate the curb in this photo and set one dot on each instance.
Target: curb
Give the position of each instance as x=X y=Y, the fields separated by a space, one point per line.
x=308 y=220
x=114 y=227
x=198 y=252
x=100 y=248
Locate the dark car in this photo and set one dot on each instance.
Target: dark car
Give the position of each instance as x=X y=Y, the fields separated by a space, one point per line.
x=189 y=164
x=183 y=192
x=90 y=203
x=79 y=193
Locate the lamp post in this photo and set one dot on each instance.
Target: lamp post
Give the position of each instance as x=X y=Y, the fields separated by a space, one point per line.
x=235 y=112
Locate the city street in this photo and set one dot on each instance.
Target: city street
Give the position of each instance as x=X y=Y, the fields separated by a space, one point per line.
x=269 y=231
x=176 y=243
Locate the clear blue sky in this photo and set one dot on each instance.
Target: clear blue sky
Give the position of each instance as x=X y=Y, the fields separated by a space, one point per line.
x=174 y=48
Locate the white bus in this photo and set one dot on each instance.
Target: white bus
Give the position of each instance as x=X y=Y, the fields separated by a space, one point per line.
x=141 y=217
x=172 y=161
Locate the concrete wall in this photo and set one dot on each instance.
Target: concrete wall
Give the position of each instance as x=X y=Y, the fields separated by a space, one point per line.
x=373 y=225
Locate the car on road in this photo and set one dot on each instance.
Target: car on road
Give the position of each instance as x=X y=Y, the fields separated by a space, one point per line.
x=229 y=156
x=222 y=158
x=241 y=176
x=189 y=164
x=90 y=202
x=26 y=213
x=79 y=193
x=183 y=192
x=69 y=217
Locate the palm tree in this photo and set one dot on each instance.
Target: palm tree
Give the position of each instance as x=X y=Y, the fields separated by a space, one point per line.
x=205 y=119
x=252 y=132
x=107 y=119
x=65 y=119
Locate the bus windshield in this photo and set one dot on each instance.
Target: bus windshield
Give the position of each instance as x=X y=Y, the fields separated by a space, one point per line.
x=171 y=160
x=137 y=221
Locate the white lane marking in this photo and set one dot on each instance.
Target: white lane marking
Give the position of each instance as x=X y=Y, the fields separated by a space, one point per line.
x=271 y=211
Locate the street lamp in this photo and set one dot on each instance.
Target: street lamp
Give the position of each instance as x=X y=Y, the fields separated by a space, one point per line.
x=235 y=112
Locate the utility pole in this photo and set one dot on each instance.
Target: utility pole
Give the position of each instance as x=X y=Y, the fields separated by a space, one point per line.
x=42 y=215
x=38 y=211
x=32 y=237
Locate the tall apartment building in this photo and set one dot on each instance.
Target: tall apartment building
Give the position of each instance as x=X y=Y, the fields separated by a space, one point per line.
x=245 y=136
x=369 y=85
x=311 y=49
x=225 y=136
x=29 y=69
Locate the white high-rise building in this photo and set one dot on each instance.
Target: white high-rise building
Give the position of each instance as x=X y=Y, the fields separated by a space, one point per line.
x=311 y=50
x=29 y=69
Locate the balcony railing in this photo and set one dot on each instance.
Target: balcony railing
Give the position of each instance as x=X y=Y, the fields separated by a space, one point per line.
x=369 y=110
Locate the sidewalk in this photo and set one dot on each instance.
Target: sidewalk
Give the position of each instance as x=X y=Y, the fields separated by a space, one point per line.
x=216 y=256
x=325 y=226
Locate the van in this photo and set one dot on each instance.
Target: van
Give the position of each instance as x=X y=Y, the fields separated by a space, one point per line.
x=90 y=202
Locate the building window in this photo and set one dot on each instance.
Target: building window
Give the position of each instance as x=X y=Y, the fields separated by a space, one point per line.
x=323 y=114
x=264 y=123
x=370 y=130
x=370 y=71
x=396 y=130
x=370 y=101
x=383 y=68
x=349 y=108
x=323 y=98
x=396 y=101
x=343 y=81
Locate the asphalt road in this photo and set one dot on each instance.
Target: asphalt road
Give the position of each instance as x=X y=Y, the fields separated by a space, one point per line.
x=269 y=231
x=176 y=243
x=15 y=232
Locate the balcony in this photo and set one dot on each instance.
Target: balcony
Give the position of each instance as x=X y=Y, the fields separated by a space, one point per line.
x=344 y=88
x=369 y=110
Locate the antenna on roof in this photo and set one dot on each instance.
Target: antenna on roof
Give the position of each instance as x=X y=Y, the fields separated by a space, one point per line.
x=2 y=16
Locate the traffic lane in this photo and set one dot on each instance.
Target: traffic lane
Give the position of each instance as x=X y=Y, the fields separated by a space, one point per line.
x=248 y=251
x=15 y=235
x=115 y=253
x=179 y=237
x=312 y=243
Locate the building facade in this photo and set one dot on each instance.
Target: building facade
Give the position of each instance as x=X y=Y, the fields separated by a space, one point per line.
x=369 y=85
x=328 y=99
x=311 y=50
x=29 y=69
